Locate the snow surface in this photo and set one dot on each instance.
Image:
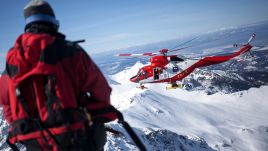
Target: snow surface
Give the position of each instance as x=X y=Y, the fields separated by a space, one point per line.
x=232 y=122
x=188 y=120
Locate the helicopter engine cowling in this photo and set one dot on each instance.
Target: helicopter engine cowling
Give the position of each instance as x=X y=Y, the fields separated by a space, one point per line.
x=159 y=61
x=175 y=58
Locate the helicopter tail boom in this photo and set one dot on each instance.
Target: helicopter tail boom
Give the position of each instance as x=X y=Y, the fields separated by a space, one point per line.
x=210 y=60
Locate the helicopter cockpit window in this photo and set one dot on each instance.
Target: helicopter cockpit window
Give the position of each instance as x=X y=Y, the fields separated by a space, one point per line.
x=140 y=73
x=145 y=74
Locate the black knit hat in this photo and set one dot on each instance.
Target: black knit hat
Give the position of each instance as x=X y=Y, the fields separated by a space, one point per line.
x=39 y=11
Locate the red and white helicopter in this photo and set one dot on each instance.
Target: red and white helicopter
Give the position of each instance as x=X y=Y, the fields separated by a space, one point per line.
x=173 y=68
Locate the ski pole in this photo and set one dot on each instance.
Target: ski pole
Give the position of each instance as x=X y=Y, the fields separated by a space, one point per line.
x=130 y=131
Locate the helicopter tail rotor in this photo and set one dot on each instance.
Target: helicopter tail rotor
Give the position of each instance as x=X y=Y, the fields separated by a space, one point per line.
x=253 y=36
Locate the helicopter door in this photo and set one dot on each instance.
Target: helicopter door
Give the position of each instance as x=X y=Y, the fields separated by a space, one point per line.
x=156 y=73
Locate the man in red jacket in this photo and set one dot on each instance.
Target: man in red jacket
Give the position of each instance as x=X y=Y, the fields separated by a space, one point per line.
x=52 y=93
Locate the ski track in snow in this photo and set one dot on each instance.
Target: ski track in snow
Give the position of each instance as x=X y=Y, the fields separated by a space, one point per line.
x=237 y=121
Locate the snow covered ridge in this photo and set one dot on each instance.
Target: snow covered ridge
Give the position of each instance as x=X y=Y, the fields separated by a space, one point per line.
x=191 y=120
x=234 y=117
x=186 y=120
x=162 y=140
x=241 y=73
x=236 y=121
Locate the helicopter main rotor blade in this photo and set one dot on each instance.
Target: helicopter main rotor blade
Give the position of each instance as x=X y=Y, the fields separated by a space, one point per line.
x=143 y=54
x=184 y=43
x=179 y=49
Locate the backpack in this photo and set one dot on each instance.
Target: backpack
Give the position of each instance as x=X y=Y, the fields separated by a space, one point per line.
x=44 y=106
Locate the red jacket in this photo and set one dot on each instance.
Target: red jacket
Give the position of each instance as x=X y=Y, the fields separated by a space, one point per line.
x=35 y=54
x=4 y=98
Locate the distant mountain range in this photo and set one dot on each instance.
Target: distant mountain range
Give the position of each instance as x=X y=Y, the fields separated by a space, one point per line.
x=206 y=43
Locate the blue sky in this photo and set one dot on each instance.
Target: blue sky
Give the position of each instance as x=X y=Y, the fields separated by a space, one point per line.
x=113 y=24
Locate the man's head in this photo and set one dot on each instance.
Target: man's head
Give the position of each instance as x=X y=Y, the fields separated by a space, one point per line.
x=40 y=12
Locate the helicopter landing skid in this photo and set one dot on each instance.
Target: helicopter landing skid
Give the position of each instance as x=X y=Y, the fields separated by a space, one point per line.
x=142 y=87
x=173 y=86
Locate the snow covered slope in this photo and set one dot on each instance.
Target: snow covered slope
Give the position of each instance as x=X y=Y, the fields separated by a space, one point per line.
x=183 y=120
x=237 y=121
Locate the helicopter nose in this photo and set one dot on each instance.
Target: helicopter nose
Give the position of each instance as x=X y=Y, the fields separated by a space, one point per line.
x=134 y=79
